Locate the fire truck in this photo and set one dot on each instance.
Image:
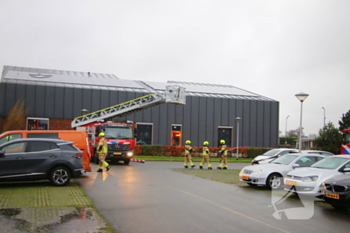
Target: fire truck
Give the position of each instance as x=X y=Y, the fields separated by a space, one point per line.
x=121 y=136
x=345 y=147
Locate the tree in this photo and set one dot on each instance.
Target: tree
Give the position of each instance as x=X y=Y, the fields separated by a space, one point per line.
x=295 y=132
x=15 y=118
x=344 y=123
x=330 y=139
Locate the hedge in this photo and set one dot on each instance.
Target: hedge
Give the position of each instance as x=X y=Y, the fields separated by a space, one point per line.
x=179 y=150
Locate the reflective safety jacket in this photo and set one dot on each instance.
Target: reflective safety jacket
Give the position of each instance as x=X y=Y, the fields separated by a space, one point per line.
x=205 y=150
x=188 y=149
x=103 y=145
x=223 y=151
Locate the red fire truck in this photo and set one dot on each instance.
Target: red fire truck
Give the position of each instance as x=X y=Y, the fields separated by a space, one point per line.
x=120 y=138
x=345 y=147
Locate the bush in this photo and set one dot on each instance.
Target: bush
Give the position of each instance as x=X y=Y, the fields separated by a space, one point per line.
x=253 y=152
x=152 y=149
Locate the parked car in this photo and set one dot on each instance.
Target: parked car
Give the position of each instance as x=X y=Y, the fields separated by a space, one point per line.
x=272 y=154
x=308 y=181
x=271 y=174
x=319 y=152
x=78 y=137
x=336 y=191
x=38 y=159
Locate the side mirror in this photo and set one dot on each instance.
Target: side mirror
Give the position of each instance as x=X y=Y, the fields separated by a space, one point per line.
x=296 y=165
x=2 y=153
x=346 y=170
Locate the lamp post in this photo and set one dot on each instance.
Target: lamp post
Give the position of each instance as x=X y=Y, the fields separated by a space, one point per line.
x=324 y=117
x=238 y=119
x=286 y=130
x=83 y=111
x=301 y=96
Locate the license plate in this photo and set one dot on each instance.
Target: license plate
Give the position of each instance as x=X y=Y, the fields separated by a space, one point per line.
x=293 y=183
x=117 y=153
x=245 y=177
x=332 y=195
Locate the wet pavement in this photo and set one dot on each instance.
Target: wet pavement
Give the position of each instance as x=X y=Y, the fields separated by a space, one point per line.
x=41 y=208
x=51 y=219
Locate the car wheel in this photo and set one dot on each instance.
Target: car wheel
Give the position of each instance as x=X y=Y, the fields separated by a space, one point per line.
x=126 y=162
x=274 y=181
x=60 y=176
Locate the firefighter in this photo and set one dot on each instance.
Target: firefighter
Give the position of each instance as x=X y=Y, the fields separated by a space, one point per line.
x=205 y=156
x=188 y=158
x=102 y=150
x=223 y=153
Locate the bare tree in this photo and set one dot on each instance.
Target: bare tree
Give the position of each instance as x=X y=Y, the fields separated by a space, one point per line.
x=15 y=118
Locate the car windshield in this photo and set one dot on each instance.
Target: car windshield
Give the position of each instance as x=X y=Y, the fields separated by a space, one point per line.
x=271 y=152
x=285 y=159
x=330 y=163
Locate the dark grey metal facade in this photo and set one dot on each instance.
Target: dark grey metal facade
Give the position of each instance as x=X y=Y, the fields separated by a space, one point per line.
x=200 y=117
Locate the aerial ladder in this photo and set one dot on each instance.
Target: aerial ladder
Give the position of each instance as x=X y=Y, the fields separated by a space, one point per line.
x=173 y=94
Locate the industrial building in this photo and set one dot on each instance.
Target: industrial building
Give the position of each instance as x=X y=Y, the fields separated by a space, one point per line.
x=54 y=98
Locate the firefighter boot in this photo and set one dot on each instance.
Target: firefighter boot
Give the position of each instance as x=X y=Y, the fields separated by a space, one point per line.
x=225 y=168
x=186 y=166
x=193 y=166
x=219 y=167
x=99 y=170
x=200 y=167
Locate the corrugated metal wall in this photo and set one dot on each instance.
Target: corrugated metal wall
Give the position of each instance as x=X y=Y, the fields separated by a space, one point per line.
x=200 y=117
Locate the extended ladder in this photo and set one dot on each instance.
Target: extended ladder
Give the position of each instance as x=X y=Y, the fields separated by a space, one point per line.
x=173 y=94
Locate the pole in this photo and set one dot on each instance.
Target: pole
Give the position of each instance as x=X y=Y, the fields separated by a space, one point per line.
x=286 y=130
x=300 y=128
x=237 y=140
x=324 y=117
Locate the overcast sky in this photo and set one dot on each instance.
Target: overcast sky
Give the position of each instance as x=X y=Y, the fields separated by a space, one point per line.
x=273 y=48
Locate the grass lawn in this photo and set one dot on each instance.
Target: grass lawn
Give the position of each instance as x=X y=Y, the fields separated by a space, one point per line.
x=194 y=159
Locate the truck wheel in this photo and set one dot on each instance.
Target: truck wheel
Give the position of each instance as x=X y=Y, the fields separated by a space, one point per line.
x=60 y=176
x=126 y=162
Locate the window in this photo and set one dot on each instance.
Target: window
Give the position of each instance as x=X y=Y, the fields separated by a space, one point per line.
x=41 y=146
x=225 y=133
x=42 y=135
x=306 y=161
x=37 y=123
x=144 y=134
x=176 y=135
x=14 y=148
x=10 y=137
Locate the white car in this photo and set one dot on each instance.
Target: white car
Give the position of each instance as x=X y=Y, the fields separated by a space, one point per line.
x=271 y=174
x=308 y=181
x=272 y=154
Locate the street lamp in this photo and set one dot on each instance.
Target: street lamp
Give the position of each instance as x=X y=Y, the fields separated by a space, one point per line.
x=286 y=130
x=83 y=111
x=324 y=117
x=238 y=119
x=301 y=96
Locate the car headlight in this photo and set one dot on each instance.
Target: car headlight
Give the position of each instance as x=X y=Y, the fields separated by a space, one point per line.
x=309 y=178
x=129 y=154
x=256 y=173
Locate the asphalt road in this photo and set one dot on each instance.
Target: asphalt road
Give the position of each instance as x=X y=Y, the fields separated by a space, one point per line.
x=150 y=197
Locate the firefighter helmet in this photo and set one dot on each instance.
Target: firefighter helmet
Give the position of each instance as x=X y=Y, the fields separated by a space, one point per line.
x=188 y=142
x=101 y=135
x=222 y=142
x=206 y=143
